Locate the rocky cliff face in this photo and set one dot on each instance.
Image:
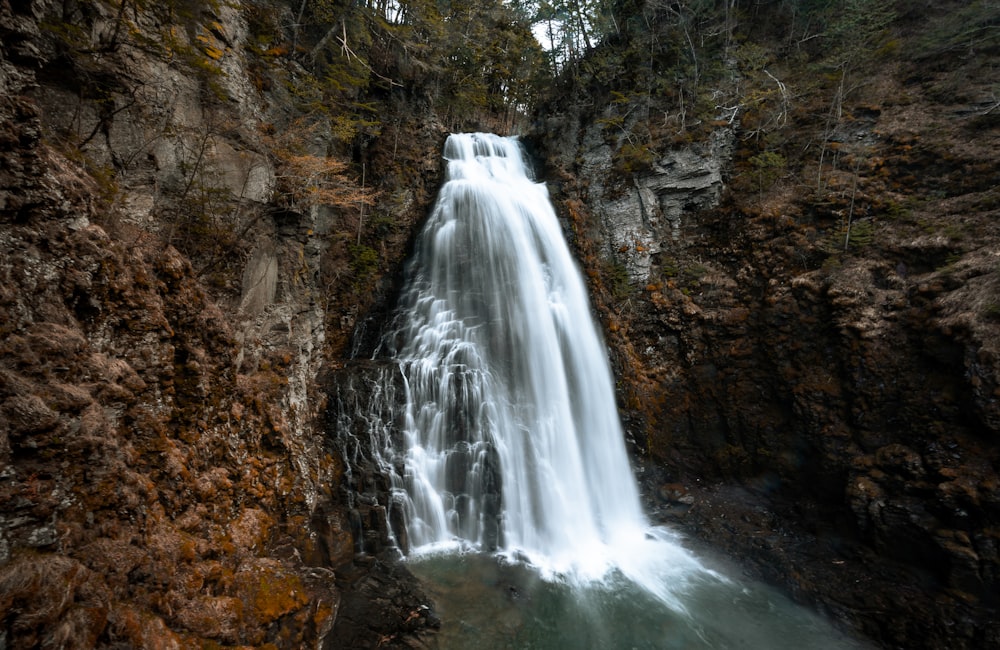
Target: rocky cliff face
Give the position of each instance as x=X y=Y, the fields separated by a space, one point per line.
x=166 y=477
x=640 y=216
x=820 y=401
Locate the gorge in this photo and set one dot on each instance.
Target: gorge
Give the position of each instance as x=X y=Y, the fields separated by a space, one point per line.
x=785 y=215
x=511 y=441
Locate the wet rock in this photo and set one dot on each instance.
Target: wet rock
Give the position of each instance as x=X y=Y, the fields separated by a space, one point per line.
x=214 y=617
x=382 y=606
x=161 y=421
x=335 y=535
x=67 y=397
x=268 y=591
x=42 y=536
x=647 y=215
x=675 y=493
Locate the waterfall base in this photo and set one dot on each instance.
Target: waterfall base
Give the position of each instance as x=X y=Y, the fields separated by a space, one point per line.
x=486 y=602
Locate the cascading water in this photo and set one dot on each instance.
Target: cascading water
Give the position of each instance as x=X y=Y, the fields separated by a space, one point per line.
x=513 y=441
x=512 y=429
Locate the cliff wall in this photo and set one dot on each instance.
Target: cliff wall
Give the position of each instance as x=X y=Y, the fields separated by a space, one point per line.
x=183 y=254
x=808 y=351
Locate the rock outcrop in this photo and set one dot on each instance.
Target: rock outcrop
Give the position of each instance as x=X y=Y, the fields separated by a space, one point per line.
x=641 y=216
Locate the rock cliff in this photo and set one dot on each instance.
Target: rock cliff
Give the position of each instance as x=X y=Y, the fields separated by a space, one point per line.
x=809 y=372
x=169 y=294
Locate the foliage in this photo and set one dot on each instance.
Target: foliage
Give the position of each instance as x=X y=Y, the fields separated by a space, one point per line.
x=855 y=28
x=202 y=215
x=768 y=167
x=856 y=235
x=493 y=58
x=364 y=261
x=631 y=158
x=308 y=178
x=853 y=38
x=763 y=107
x=571 y=28
x=616 y=275
x=966 y=29
x=477 y=61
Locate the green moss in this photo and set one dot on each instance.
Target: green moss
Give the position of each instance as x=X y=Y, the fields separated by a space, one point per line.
x=271 y=593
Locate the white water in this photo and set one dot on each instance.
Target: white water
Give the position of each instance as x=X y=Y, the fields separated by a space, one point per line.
x=513 y=440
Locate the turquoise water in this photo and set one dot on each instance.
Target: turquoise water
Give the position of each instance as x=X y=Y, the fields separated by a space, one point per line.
x=486 y=602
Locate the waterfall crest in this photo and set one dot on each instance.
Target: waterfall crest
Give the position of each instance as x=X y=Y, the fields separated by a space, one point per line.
x=513 y=440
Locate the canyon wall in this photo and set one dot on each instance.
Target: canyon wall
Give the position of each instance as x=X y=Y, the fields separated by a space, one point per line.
x=802 y=313
x=170 y=293
x=820 y=401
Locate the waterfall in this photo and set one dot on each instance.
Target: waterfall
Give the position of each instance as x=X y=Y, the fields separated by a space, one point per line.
x=513 y=440
x=498 y=430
